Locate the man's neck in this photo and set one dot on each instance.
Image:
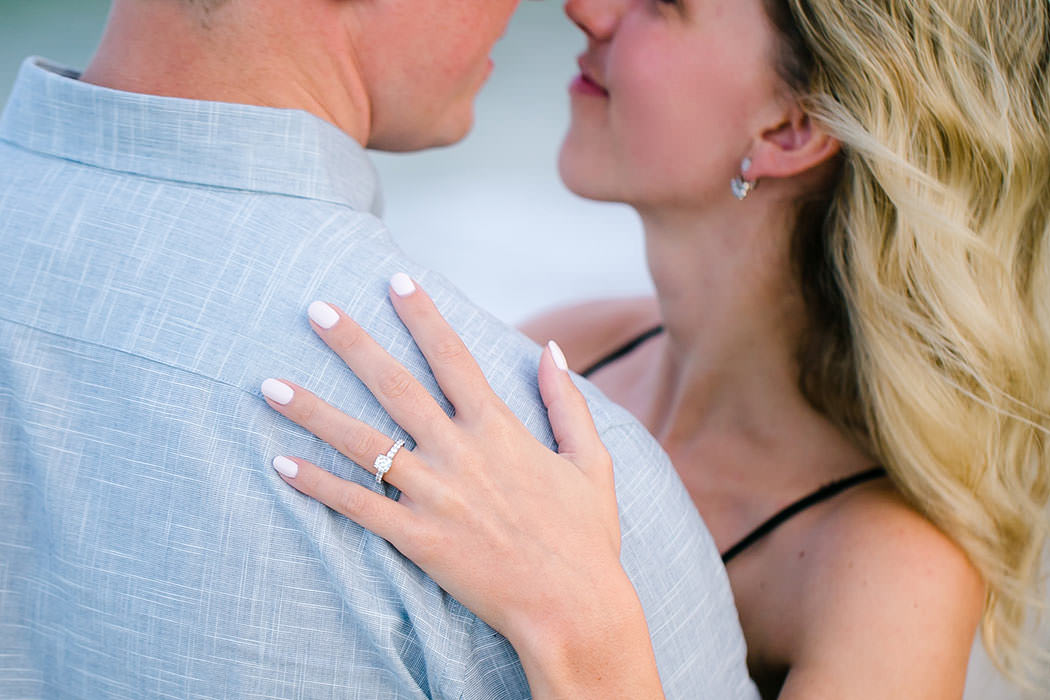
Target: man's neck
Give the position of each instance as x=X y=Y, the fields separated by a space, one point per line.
x=243 y=53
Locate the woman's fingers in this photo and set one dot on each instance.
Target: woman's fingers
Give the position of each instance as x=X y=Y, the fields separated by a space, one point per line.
x=403 y=397
x=357 y=440
x=567 y=410
x=453 y=366
x=480 y=492
x=370 y=509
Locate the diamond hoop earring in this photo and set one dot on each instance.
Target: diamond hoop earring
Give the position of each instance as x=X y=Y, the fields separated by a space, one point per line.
x=741 y=187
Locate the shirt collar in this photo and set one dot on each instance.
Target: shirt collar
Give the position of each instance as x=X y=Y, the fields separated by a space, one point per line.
x=245 y=147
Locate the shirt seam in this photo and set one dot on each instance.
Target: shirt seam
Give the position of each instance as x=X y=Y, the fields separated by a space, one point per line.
x=202 y=375
x=128 y=353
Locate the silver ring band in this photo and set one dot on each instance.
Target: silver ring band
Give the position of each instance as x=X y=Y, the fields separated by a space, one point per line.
x=384 y=462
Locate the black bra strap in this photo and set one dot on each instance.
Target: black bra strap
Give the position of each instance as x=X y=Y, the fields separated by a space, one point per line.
x=821 y=494
x=625 y=349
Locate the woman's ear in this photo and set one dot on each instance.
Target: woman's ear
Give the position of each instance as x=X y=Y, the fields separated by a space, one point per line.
x=794 y=145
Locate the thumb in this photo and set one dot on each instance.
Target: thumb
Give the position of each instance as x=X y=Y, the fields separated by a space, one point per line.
x=568 y=413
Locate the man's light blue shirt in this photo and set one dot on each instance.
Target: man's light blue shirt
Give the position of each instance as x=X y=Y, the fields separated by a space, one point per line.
x=156 y=259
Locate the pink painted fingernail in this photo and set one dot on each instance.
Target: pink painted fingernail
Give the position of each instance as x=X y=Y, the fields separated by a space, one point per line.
x=286 y=467
x=402 y=284
x=558 y=356
x=323 y=315
x=277 y=391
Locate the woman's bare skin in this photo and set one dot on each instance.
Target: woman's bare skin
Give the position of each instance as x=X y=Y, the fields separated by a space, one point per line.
x=839 y=598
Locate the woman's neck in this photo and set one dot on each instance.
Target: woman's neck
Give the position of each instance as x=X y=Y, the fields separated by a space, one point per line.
x=726 y=377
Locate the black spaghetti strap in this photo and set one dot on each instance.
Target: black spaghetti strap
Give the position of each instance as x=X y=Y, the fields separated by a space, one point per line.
x=822 y=494
x=624 y=349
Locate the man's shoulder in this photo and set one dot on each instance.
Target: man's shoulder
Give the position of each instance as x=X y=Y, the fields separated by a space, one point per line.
x=217 y=282
x=196 y=260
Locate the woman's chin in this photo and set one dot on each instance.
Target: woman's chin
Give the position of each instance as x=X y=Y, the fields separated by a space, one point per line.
x=585 y=178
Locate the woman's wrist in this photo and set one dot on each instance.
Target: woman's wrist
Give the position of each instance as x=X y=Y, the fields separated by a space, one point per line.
x=600 y=648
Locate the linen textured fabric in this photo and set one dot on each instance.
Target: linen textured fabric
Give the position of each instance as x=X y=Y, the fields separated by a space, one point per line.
x=156 y=259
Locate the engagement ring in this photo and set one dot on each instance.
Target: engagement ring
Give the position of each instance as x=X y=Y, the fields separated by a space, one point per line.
x=384 y=462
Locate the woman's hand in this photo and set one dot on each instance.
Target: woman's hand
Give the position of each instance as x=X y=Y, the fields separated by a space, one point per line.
x=528 y=539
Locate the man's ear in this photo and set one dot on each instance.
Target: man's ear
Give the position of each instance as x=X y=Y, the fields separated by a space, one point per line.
x=794 y=145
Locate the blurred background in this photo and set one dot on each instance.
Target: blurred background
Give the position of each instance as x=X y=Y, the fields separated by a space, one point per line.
x=488 y=213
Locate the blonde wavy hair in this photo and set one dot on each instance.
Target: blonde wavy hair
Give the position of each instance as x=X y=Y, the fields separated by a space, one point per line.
x=926 y=268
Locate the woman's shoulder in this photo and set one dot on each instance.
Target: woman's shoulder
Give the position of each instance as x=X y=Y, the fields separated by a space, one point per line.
x=882 y=581
x=874 y=534
x=588 y=331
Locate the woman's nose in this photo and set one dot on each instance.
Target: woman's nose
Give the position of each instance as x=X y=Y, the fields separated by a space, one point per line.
x=597 y=18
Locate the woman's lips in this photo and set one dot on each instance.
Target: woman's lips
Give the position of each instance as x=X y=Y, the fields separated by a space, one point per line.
x=582 y=85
